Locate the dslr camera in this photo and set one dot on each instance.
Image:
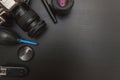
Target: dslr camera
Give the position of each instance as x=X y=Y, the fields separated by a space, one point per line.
x=24 y=16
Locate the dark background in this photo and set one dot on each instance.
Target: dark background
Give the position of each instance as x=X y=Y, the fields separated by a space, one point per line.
x=84 y=45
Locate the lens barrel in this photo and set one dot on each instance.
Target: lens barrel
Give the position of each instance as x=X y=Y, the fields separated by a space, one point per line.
x=28 y=20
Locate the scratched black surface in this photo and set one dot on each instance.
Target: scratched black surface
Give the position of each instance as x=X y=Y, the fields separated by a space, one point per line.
x=84 y=45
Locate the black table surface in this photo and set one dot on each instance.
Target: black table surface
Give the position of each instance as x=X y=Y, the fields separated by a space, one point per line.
x=85 y=45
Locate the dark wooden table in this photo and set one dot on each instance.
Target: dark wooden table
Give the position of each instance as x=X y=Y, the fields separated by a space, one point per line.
x=84 y=45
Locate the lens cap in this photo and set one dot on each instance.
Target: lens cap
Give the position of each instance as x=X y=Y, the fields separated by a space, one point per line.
x=25 y=53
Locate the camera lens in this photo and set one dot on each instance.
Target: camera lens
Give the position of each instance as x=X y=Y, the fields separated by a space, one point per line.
x=28 y=20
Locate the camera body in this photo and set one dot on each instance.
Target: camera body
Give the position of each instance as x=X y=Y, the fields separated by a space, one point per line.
x=5 y=7
x=24 y=16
